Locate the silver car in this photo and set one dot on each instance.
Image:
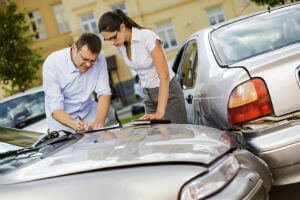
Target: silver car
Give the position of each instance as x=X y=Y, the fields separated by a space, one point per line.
x=162 y=161
x=244 y=75
x=24 y=109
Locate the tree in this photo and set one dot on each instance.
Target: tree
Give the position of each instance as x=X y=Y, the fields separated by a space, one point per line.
x=271 y=3
x=18 y=63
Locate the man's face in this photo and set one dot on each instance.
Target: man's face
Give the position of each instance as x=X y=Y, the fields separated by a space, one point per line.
x=84 y=58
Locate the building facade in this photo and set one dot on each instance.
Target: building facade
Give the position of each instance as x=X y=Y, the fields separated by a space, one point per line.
x=60 y=22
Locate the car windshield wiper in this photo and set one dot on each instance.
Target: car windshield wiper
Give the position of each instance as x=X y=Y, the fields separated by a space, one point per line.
x=61 y=136
x=67 y=134
x=115 y=126
x=53 y=139
x=18 y=152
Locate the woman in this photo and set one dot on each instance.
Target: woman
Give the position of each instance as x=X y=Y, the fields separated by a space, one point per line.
x=142 y=51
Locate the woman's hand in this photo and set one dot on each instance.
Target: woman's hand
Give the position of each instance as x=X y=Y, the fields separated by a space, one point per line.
x=152 y=116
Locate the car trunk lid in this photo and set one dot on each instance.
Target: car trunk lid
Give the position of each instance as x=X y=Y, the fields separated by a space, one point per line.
x=280 y=71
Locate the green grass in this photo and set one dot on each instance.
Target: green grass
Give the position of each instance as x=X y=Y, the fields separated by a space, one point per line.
x=130 y=119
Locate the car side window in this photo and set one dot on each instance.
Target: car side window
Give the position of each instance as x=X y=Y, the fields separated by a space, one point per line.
x=187 y=70
x=177 y=61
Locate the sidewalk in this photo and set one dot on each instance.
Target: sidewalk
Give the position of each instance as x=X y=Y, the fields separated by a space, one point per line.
x=125 y=112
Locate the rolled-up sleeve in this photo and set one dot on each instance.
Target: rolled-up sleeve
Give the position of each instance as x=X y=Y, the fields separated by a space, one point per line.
x=102 y=86
x=53 y=95
x=151 y=40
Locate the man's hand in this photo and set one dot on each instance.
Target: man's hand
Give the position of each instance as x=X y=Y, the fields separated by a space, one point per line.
x=79 y=125
x=96 y=124
x=102 y=110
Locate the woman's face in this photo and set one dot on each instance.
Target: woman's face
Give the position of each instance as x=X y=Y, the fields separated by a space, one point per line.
x=117 y=38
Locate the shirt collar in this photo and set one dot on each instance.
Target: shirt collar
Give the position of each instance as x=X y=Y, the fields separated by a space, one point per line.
x=71 y=67
x=136 y=34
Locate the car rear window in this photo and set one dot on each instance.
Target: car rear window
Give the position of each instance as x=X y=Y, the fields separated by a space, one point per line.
x=256 y=35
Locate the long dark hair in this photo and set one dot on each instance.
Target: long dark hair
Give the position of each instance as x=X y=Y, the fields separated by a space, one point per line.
x=111 y=21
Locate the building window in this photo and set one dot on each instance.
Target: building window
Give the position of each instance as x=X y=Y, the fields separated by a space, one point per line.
x=122 y=6
x=215 y=15
x=59 y=12
x=166 y=32
x=89 y=22
x=37 y=26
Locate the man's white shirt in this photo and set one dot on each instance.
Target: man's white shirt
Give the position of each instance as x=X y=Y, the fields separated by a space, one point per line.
x=69 y=89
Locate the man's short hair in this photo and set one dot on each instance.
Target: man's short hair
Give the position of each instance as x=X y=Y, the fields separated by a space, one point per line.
x=91 y=40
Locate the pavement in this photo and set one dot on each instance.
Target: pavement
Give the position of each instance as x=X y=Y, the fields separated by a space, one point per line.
x=290 y=192
x=126 y=111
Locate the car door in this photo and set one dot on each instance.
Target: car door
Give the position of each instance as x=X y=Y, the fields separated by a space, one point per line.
x=185 y=67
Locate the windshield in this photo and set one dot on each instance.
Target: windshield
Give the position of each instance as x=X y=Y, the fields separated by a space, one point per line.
x=18 y=147
x=19 y=111
x=256 y=35
x=18 y=138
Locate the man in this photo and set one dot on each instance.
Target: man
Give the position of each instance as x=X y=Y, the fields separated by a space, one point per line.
x=70 y=76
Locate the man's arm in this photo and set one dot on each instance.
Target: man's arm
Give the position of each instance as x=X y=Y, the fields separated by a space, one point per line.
x=53 y=96
x=103 y=93
x=64 y=118
x=102 y=110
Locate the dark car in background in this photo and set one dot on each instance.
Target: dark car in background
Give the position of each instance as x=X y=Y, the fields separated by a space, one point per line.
x=162 y=161
x=243 y=75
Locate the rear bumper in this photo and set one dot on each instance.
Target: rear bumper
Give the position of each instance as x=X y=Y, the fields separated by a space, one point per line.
x=280 y=147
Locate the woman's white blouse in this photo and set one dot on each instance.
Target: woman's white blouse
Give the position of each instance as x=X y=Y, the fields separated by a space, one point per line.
x=142 y=43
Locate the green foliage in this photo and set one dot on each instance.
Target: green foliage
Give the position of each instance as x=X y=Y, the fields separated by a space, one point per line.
x=130 y=119
x=18 y=63
x=270 y=3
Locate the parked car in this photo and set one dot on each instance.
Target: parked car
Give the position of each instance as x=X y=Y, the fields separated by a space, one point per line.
x=162 y=161
x=244 y=75
x=23 y=109
x=26 y=110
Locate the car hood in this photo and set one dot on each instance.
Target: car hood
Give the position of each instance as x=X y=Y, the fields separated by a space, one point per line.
x=40 y=126
x=130 y=146
x=280 y=69
x=4 y=147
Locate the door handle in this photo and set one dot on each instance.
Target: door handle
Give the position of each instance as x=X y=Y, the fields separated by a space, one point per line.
x=189 y=99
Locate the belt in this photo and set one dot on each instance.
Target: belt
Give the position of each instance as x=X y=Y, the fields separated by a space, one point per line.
x=147 y=90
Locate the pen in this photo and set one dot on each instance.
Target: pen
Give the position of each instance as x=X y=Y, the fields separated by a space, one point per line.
x=86 y=125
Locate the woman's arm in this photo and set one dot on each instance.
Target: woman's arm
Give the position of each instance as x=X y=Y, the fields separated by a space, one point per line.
x=162 y=70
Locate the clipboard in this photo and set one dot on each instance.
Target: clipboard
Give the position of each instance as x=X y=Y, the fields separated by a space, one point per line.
x=116 y=126
x=151 y=121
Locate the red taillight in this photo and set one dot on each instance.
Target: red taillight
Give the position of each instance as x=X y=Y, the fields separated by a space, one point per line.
x=249 y=101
